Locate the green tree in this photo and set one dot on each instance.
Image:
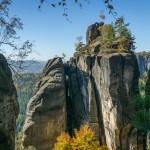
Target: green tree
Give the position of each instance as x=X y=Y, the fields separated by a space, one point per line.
x=141 y=118
x=123 y=35
x=108 y=36
x=79 y=44
x=26 y=84
x=9 y=25
x=147 y=86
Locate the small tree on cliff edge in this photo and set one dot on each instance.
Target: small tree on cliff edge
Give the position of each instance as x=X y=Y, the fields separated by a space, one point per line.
x=108 y=35
x=124 y=35
x=116 y=37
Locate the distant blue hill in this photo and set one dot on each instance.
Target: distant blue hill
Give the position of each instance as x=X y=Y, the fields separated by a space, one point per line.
x=34 y=66
x=29 y=66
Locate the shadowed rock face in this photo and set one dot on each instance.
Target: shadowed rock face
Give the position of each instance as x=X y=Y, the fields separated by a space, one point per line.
x=9 y=107
x=143 y=62
x=81 y=98
x=46 y=114
x=92 y=32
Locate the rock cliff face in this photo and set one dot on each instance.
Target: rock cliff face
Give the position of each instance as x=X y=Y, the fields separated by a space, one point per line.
x=81 y=96
x=9 y=107
x=46 y=111
x=143 y=62
x=101 y=88
x=98 y=90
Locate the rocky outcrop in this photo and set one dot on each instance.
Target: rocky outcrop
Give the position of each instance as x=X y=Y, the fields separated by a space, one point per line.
x=9 y=107
x=143 y=62
x=46 y=110
x=98 y=90
x=81 y=97
x=100 y=93
x=116 y=80
x=93 y=32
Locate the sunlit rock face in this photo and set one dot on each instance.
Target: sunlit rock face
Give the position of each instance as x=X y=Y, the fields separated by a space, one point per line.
x=9 y=107
x=46 y=110
x=116 y=81
x=96 y=90
x=100 y=93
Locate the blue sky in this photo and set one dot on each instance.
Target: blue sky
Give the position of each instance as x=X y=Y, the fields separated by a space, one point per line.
x=54 y=35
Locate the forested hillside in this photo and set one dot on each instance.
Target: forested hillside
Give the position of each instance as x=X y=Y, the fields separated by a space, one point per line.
x=25 y=89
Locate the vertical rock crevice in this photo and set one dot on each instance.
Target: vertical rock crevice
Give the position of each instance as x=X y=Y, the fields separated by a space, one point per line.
x=112 y=81
x=75 y=82
x=96 y=61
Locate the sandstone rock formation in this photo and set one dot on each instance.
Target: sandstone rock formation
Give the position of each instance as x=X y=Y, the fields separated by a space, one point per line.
x=46 y=110
x=9 y=107
x=93 y=32
x=100 y=91
x=94 y=87
x=116 y=80
x=148 y=63
x=143 y=62
x=80 y=98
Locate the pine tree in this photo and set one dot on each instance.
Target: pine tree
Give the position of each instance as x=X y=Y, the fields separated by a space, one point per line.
x=147 y=86
x=123 y=35
x=141 y=118
x=108 y=36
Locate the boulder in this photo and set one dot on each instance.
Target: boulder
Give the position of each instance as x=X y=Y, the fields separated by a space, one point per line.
x=9 y=107
x=46 y=110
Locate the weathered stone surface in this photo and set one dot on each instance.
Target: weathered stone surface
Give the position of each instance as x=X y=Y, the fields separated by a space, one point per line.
x=46 y=110
x=93 y=32
x=148 y=63
x=101 y=90
x=81 y=95
x=9 y=107
x=143 y=62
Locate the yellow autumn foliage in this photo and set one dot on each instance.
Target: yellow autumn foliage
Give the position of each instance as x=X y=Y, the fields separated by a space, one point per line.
x=63 y=142
x=84 y=139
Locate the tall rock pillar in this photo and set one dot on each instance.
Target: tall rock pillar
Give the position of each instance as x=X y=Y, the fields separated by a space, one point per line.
x=46 y=110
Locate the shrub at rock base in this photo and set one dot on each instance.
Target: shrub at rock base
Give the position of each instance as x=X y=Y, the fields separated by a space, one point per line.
x=84 y=139
x=148 y=147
